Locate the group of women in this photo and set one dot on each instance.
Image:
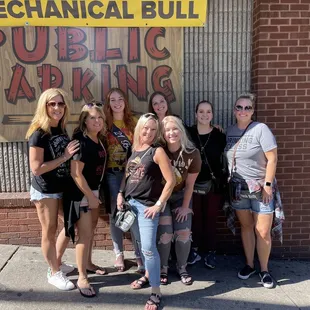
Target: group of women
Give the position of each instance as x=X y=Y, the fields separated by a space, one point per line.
x=152 y=164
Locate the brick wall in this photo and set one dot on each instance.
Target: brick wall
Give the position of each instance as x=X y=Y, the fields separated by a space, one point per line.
x=281 y=79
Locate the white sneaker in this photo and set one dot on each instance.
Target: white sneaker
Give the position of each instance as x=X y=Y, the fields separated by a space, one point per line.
x=61 y=281
x=66 y=268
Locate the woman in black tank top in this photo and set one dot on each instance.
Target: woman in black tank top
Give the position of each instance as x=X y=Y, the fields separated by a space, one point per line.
x=143 y=188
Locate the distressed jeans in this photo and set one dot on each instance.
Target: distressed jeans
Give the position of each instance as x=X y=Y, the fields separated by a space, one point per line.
x=170 y=230
x=114 y=180
x=146 y=228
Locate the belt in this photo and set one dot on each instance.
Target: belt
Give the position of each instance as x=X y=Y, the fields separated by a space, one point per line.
x=115 y=169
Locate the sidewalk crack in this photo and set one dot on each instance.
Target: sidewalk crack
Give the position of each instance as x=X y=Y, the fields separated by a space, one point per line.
x=9 y=258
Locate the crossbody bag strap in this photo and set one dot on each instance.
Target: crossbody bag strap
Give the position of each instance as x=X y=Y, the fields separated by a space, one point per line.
x=105 y=161
x=121 y=138
x=202 y=147
x=235 y=150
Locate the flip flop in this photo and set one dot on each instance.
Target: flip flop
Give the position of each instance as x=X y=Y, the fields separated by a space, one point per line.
x=120 y=263
x=98 y=270
x=84 y=290
x=140 y=283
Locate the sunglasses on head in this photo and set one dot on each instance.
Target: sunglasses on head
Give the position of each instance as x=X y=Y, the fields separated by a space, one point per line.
x=54 y=104
x=93 y=104
x=241 y=108
x=150 y=115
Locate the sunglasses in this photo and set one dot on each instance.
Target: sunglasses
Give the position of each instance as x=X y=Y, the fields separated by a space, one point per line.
x=93 y=104
x=54 y=104
x=241 y=108
x=150 y=115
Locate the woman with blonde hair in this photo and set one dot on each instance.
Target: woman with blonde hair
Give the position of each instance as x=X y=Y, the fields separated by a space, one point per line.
x=121 y=124
x=145 y=192
x=252 y=156
x=49 y=151
x=176 y=220
x=81 y=200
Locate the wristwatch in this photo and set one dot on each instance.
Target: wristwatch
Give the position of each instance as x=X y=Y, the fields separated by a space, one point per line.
x=158 y=203
x=268 y=184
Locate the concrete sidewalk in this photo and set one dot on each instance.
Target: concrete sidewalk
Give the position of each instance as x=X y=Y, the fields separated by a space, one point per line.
x=23 y=285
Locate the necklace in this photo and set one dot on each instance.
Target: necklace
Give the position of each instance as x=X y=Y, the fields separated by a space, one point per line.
x=202 y=147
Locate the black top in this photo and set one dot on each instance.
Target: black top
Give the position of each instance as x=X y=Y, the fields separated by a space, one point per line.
x=54 y=145
x=143 y=177
x=213 y=150
x=93 y=156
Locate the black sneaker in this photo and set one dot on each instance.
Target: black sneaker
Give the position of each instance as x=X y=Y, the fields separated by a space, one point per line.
x=210 y=260
x=193 y=257
x=266 y=279
x=246 y=272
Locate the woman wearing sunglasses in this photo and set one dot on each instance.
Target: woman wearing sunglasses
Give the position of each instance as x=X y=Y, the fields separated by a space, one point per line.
x=49 y=152
x=144 y=190
x=252 y=155
x=81 y=200
x=121 y=124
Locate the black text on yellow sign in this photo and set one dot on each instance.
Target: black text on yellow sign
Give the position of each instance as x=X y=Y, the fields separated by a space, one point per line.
x=94 y=13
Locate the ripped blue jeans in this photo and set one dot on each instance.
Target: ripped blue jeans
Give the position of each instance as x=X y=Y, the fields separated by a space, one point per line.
x=170 y=230
x=145 y=229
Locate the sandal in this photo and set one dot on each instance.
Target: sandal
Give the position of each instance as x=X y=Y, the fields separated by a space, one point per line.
x=85 y=290
x=119 y=263
x=184 y=276
x=140 y=283
x=152 y=302
x=98 y=270
x=140 y=269
x=164 y=278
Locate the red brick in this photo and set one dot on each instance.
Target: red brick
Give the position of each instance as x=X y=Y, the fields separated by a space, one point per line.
x=299 y=7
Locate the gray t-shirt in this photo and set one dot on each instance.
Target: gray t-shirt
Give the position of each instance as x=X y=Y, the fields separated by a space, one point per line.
x=250 y=155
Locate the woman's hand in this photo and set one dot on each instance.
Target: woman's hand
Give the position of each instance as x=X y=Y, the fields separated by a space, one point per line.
x=181 y=213
x=71 y=149
x=151 y=212
x=267 y=194
x=93 y=202
x=120 y=202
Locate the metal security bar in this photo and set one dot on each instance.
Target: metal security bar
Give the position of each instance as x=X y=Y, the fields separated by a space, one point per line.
x=14 y=167
x=217 y=59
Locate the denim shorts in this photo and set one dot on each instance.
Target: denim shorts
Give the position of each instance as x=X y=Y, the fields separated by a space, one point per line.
x=254 y=205
x=37 y=196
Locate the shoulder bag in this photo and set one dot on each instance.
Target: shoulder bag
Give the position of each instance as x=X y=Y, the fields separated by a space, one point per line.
x=234 y=186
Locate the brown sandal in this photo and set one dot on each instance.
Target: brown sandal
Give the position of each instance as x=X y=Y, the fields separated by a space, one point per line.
x=140 y=283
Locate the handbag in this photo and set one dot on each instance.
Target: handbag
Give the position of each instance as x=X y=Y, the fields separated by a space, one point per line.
x=202 y=188
x=235 y=186
x=125 y=218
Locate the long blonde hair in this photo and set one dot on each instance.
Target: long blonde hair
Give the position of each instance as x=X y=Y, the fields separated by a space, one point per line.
x=140 y=124
x=82 y=118
x=186 y=145
x=41 y=120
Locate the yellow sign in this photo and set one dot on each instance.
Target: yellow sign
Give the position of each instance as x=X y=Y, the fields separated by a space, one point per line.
x=103 y=13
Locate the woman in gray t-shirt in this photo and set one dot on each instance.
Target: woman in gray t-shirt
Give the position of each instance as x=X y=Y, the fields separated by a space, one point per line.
x=252 y=156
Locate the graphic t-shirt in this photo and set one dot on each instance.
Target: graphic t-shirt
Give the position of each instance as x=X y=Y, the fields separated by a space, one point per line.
x=54 y=145
x=184 y=163
x=250 y=156
x=143 y=177
x=117 y=156
x=93 y=155
x=214 y=144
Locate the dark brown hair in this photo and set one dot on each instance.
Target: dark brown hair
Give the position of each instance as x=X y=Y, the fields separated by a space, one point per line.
x=151 y=109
